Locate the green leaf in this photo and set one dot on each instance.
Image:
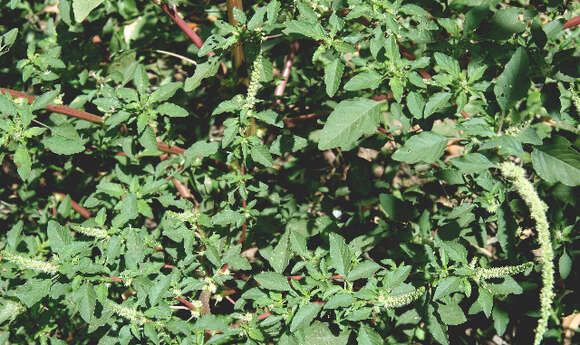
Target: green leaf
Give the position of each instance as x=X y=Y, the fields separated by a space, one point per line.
x=505 y=22
x=350 y=120
x=257 y=19
x=396 y=86
x=148 y=140
x=32 y=291
x=436 y=103
x=424 y=147
x=447 y=64
x=513 y=83
x=340 y=255
x=172 y=110
x=201 y=149
x=365 y=269
x=261 y=155
x=59 y=237
x=320 y=334
x=7 y=106
x=501 y=319
x=332 y=76
x=287 y=143
x=280 y=257
x=129 y=206
x=367 y=336
x=485 y=301
x=565 y=265
x=340 y=300
x=312 y=30
x=23 y=162
x=202 y=71
x=451 y=314
x=365 y=80
x=85 y=299
x=164 y=92
x=446 y=287
x=210 y=322
x=416 y=104
x=7 y=40
x=392 y=49
x=557 y=163
x=437 y=330
x=303 y=318
x=63 y=146
x=82 y=8
x=44 y=100
x=160 y=289
x=141 y=79
x=272 y=281
x=472 y=163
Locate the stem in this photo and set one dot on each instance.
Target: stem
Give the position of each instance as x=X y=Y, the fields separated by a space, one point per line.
x=294 y=46
x=183 y=58
x=237 y=50
x=172 y=13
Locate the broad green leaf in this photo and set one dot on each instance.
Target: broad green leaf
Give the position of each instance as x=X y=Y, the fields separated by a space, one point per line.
x=63 y=146
x=257 y=19
x=437 y=330
x=272 y=281
x=340 y=300
x=172 y=110
x=451 y=314
x=565 y=265
x=130 y=208
x=340 y=255
x=230 y=105
x=141 y=79
x=513 y=83
x=32 y=291
x=59 y=237
x=506 y=22
x=447 y=64
x=367 y=336
x=227 y=217
x=501 y=320
x=261 y=155
x=270 y=117
x=82 y=8
x=148 y=140
x=311 y=30
x=159 y=289
x=446 y=287
x=280 y=257
x=436 y=103
x=365 y=269
x=85 y=299
x=424 y=147
x=416 y=104
x=485 y=301
x=165 y=92
x=210 y=322
x=332 y=76
x=44 y=100
x=303 y=318
x=392 y=49
x=350 y=120
x=7 y=40
x=23 y=162
x=7 y=106
x=472 y=163
x=557 y=163
x=202 y=71
x=365 y=80
x=319 y=333
x=396 y=86
x=287 y=143
x=201 y=149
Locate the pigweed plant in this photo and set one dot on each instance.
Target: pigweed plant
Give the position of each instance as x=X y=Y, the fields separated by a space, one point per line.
x=289 y=172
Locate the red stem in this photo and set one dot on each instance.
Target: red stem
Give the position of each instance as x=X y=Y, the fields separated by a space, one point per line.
x=75 y=206
x=572 y=22
x=286 y=71
x=172 y=13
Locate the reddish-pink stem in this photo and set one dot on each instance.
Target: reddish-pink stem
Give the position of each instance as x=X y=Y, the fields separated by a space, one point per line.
x=286 y=71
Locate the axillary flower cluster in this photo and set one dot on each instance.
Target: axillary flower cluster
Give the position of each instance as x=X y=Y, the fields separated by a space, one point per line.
x=28 y=263
x=538 y=212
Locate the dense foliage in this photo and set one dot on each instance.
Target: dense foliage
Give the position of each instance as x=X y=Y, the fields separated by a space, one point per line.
x=289 y=172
